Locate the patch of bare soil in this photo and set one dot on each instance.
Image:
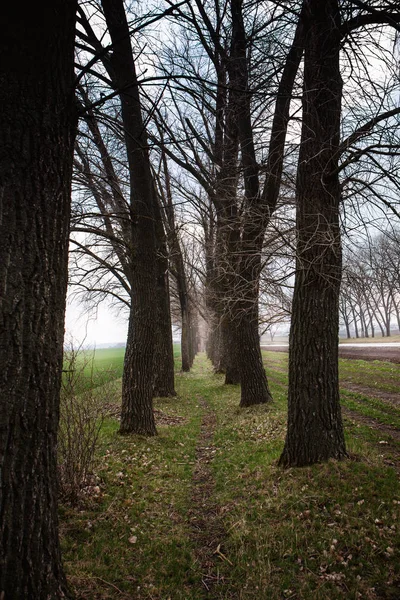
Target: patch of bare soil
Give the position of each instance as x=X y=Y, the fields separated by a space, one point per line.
x=362 y=353
x=388 y=397
x=114 y=410
x=163 y=419
x=389 y=450
x=205 y=516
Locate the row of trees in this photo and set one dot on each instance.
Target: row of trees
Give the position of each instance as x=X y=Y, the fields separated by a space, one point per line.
x=370 y=296
x=211 y=120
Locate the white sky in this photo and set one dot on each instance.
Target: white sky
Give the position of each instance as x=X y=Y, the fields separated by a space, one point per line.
x=102 y=326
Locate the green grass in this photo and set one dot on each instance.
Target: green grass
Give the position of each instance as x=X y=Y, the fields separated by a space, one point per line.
x=371 y=407
x=110 y=359
x=135 y=535
x=328 y=531
x=374 y=374
x=93 y=368
x=103 y=365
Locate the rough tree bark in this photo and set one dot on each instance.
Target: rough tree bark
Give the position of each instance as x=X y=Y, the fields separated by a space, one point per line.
x=315 y=431
x=137 y=383
x=37 y=129
x=164 y=378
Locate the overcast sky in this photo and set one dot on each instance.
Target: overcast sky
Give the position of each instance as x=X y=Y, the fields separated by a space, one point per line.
x=93 y=329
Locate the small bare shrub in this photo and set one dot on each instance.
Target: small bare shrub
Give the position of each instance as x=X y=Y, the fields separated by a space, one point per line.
x=83 y=397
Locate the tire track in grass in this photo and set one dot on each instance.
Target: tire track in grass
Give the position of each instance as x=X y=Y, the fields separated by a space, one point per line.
x=390 y=398
x=389 y=446
x=205 y=518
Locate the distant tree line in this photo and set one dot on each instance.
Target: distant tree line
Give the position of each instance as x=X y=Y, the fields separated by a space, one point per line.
x=370 y=292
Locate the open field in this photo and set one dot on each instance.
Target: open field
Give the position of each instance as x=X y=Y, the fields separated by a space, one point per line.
x=375 y=352
x=378 y=339
x=378 y=351
x=108 y=360
x=202 y=510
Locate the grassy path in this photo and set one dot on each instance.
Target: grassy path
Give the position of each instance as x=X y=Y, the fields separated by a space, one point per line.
x=208 y=531
x=203 y=511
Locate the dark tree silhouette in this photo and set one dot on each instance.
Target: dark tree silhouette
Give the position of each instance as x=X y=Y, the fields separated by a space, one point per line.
x=137 y=383
x=37 y=128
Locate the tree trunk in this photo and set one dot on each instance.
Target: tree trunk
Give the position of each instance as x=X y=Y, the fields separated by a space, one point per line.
x=37 y=129
x=194 y=344
x=137 y=414
x=137 y=382
x=253 y=379
x=164 y=367
x=387 y=323
x=347 y=325
x=164 y=378
x=380 y=326
x=363 y=325
x=176 y=258
x=213 y=344
x=355 y=322
x=232 y=371
x=315 y=431
x=220 y=351
x=185 y=349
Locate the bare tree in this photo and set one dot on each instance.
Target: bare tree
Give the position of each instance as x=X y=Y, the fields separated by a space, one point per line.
x=135 y=232
x=137 y=386
x=221 y=155
x=370 y=287
x=315 y=431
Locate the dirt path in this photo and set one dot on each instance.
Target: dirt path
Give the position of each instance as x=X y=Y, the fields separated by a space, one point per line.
x=205 y=517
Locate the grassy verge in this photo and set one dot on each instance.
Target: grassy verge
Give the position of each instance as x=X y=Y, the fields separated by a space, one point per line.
x=328 y=531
